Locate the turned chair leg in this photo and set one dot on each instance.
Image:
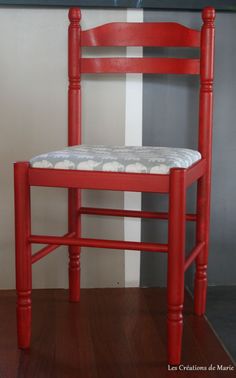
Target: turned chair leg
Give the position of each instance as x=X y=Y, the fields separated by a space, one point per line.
x=176 y=256
x=203 y=222
x=23 y=254
x=74 y=251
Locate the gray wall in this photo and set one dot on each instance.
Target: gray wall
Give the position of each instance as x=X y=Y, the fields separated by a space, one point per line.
x=170 y=111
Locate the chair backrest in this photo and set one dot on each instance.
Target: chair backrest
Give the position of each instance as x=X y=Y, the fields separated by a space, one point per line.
x=168 y=34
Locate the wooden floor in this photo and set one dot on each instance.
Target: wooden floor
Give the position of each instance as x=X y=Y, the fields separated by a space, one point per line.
x=112 y=333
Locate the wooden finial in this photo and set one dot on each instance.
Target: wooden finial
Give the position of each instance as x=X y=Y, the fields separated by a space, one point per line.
x=208 y=15
x=74 y=14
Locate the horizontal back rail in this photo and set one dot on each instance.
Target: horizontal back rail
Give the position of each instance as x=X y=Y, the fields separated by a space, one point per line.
x=170 y=34
x=141 y=65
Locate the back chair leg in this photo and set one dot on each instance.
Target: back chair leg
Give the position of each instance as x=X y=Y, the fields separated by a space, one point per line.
x=203 y=221
x=74 y=223
x=176 y=255
x=23 y=254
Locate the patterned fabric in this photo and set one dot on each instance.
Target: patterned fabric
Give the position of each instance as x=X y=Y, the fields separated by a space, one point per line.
x=118 y=159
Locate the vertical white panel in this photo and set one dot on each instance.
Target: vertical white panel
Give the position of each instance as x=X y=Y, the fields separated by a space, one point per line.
x=133 y=136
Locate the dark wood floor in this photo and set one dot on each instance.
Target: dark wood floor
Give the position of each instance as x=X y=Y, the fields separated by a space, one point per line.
x=221 y=312
x=112 y=333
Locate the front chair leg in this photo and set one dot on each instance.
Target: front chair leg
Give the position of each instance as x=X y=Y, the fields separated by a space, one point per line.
x=23 y=254
x=176 y=256
x=74 y=251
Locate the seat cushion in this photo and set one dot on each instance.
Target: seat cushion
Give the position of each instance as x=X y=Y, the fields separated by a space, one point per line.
x=117 y=159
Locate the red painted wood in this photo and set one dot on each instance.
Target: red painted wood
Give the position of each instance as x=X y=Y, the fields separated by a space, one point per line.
x=23 y=253
x=193 y=254
x=153 y=34
x=74 y=95
x=46 y=250
x=141 y=65
x=74 y=138
x=205 y=147
x=130 y=213
x=110 y=180
x=141 y=34
x=176 y=256
x=135 y=182
x=98 y=243
x=74 y=225
x=196 y=171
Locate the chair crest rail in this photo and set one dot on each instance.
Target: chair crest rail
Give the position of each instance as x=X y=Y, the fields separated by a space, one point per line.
x=158 y=34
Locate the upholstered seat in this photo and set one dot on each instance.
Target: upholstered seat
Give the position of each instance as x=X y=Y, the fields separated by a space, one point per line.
x=118 y=159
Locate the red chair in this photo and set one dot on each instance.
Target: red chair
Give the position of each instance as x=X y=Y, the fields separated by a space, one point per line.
x=85 y=167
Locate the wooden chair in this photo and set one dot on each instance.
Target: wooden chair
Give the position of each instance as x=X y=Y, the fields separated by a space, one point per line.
x=96 y=167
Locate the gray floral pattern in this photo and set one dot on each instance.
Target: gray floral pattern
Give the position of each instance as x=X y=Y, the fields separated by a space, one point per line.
x=117 y=159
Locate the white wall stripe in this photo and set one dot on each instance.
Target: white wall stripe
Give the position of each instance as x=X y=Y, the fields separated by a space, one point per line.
x=133 y=136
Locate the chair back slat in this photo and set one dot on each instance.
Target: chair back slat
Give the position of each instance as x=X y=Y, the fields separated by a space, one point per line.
x=166 y=34
x=161 y=34
x=140 y=65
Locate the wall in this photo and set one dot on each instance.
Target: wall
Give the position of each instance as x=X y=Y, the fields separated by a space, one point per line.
x=33 y=108
x=170 y=118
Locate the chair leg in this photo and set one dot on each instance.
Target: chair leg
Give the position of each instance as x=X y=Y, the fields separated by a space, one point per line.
x=74 y=251
x=203 y=222
x=176 y=256
x=23 y=254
